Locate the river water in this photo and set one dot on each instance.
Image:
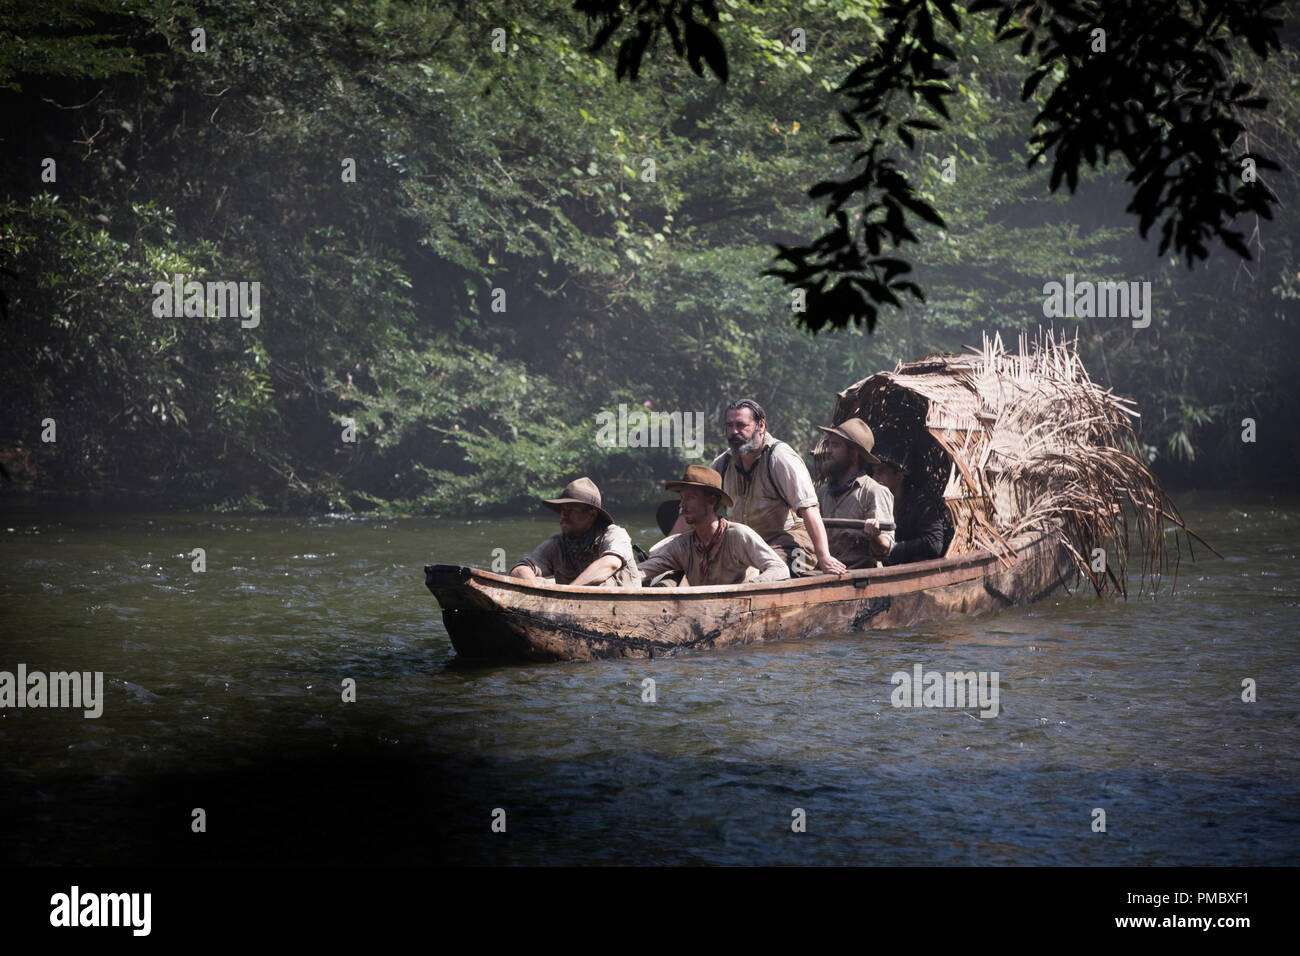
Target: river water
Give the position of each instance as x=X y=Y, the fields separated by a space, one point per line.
x=224 y=693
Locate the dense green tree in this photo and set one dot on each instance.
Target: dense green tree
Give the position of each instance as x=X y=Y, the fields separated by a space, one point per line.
x=1150 y=80
x=504 y=267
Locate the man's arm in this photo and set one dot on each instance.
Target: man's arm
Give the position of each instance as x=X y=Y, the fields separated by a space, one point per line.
x=812 y=520
x=615 y=554
x=795 y=484
x=663 y=557
x=524 y=572
x=598 y=572
x=929 y=541
x=880 y=509
x=539 y=563
x=760 y=555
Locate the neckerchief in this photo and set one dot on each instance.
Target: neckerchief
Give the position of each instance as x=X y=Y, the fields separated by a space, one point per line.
x=705 y=551
x=575 y=546
x=747 y=474
x=837 y=490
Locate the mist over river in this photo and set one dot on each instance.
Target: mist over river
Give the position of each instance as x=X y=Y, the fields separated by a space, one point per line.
x=224 y=692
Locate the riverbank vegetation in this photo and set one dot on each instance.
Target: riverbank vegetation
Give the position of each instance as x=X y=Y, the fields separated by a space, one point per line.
x=470 y=240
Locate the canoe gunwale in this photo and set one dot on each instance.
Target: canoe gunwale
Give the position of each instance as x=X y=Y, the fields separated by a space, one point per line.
x=945 y=570
x=492 y=616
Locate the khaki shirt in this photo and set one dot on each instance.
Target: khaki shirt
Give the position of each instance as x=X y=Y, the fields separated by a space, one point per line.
x=770 y=505
x=739 y=550
x=865 y=498
x=549 y=559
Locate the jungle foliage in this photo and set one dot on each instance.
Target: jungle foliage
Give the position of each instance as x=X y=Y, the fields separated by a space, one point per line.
x=530 y=241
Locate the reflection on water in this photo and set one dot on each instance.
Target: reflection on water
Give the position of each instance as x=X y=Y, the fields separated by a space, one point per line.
x=224 y=690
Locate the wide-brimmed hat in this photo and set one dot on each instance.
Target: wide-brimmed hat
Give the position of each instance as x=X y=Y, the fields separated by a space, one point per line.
x=700 y=476
x=580 y=491
x=856 y=432
x=893 y=456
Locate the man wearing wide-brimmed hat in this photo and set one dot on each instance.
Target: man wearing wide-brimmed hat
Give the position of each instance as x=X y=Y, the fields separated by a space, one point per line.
x=851 y=492
x=923 y=525
x=715 y=550
x=590 y=549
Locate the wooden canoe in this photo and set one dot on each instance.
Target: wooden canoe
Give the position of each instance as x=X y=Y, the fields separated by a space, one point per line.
x=494 y=617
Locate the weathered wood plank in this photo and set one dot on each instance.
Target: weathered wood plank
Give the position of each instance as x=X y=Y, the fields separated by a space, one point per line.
x=492 y=616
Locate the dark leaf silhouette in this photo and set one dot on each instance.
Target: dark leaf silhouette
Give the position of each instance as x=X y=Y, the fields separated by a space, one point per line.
x=1157 y=96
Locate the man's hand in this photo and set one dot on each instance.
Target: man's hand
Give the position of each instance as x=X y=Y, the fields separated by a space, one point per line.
x=812 y=519
x=830 y=564
x=524 y=572
x=879 y=540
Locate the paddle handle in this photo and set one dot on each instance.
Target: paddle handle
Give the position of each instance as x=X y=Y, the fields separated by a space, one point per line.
x=855 y=523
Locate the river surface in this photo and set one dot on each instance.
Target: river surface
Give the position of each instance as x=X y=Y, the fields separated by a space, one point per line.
x=224 y=693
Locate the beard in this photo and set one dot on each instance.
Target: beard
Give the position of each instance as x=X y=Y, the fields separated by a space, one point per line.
x=838 y=473
x=742 y=447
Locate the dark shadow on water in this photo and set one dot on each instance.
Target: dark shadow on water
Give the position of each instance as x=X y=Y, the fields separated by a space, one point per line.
x=471 y=667
x=364 y=801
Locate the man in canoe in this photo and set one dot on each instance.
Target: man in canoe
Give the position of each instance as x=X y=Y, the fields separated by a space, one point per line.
x=923 y=527
x=773 y=491
x=590 y=549
x=851 y=492
x=713 y=550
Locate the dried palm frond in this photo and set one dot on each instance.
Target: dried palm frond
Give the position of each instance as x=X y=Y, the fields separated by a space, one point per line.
x=1069 y=463
x=1026 y=441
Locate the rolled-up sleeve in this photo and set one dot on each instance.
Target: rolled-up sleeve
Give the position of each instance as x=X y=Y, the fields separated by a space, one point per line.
x=792 y=479
x=542 y=559
x=663 y=557
x=618 y=542
x=880 y=505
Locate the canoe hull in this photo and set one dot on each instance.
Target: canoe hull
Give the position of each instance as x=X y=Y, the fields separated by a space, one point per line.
x=493 y=617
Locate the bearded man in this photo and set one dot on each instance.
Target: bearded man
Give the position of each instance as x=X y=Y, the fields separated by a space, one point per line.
x=851 y=492
x=773 y=492
x=590 y=549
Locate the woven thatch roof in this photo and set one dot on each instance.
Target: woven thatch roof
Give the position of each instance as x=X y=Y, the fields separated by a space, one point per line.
x=1018 y=441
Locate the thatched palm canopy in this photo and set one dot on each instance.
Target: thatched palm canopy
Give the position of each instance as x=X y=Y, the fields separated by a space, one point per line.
x=1015 y=442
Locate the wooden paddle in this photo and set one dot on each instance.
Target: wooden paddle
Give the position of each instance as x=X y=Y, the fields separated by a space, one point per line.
x=855 y=523
x=666 y=517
